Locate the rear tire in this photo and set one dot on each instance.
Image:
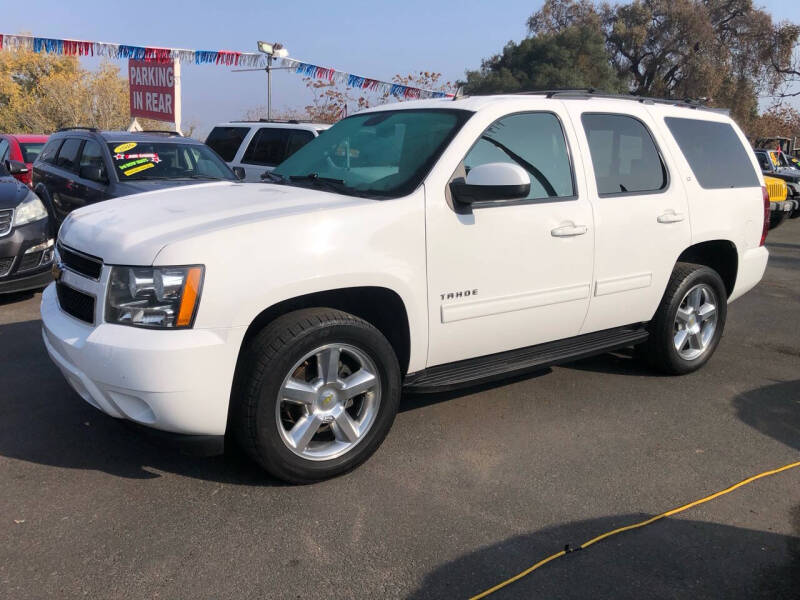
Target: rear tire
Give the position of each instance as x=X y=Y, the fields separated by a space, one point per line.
x=776 y=217
x=316 y=393
x=689 y=322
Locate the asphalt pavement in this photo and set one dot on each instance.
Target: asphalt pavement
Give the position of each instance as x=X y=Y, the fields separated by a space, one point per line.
x=468 y=489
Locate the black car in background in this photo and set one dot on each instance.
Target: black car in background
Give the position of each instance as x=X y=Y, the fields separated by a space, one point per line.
x=81 y=166
x=26 y=244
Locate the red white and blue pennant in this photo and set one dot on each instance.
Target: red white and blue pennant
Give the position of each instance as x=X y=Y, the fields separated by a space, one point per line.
x=226 y=58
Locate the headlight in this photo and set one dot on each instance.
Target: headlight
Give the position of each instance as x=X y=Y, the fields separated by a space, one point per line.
x=29 y=210
x=156 y=297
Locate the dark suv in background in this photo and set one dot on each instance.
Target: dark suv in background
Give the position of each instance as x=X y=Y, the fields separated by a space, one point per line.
x=81 y=166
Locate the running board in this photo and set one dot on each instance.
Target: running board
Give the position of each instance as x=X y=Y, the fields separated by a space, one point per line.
x=531 y=358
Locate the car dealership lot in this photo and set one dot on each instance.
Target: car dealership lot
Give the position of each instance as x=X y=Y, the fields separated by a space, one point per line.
x=468 y=489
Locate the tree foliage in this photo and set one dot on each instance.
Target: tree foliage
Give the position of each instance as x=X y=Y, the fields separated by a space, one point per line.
x=568 y=56
x=726 y=51
x=41 y=93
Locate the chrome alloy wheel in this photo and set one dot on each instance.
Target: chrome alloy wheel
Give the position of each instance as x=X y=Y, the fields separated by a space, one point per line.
x=328 y=402
x=696 y=322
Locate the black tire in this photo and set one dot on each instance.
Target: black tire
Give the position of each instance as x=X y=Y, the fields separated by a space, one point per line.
x=659 y=350
x=776 y=217
x=267 y=360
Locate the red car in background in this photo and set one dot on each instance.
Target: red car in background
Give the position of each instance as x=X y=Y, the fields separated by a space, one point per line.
x=23 y=148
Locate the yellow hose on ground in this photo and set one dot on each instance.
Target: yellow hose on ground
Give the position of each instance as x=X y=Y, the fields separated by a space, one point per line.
x=608 y=534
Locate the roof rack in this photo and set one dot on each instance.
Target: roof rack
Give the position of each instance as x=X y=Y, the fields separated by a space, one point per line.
x=161 y=132
x=593 y=93
x=77 y=128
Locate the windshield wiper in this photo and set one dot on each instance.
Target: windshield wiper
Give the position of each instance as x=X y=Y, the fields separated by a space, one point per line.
x=314 y=178
x=273 y=177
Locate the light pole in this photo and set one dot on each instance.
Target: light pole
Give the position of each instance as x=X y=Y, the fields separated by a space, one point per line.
x=271 y=50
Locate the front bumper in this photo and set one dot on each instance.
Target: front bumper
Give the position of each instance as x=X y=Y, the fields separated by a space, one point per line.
x=175 y=381
x=27 y=270
x=782 y=206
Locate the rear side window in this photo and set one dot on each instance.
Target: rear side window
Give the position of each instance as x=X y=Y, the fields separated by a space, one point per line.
x=268 y=147
x=714 y=152
x=535 y=142
x=225 y=141
x=30 y=150
x=297 y=139
x=624 y=156
x=48 y=155
x=68 y=155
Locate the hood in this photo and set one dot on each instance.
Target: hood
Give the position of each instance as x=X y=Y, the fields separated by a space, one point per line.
x=132 y=230
x=12 y=192
x=125 y=188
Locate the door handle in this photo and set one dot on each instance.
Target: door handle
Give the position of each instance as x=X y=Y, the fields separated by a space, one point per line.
x=569 y=230
x=671 y=217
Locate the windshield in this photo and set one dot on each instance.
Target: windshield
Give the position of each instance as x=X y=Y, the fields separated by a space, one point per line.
x=379 y=154
x=166 y=160
x=30 y=150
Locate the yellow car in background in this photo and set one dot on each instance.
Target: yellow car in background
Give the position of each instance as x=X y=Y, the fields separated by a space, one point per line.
x=779 y=206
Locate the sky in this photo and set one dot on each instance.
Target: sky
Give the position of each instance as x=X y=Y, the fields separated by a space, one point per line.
x=368 y=38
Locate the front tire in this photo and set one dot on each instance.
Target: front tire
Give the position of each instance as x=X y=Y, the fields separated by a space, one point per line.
x=689 y=322
x=317 y=391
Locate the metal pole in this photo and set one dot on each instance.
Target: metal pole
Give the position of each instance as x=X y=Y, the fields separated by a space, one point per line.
x=269 y=87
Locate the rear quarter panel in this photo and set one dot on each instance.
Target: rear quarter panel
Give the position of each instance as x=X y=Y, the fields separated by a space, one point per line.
x=716 y=214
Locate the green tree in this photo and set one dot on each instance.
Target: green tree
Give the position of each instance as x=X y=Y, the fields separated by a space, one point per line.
x=570 y=56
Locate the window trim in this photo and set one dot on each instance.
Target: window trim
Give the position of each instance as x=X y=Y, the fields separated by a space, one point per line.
x=520 y=201
x=664 y=168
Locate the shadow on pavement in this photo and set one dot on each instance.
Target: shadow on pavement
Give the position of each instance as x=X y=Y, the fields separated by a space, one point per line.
x=16 y=297
x=43 y=421
x=672 y=558
x=774 y=410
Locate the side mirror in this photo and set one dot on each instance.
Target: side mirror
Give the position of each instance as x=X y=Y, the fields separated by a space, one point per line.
x=491 y=182
x=239 y=172
x=16 y=167
x=93 y=173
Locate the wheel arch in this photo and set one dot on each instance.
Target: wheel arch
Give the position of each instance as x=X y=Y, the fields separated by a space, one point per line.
x=720 y=255
x=380 y=306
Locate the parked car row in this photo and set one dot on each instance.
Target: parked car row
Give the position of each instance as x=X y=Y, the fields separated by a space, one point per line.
x=44 y=178
x=782 y=176
x=259 y=146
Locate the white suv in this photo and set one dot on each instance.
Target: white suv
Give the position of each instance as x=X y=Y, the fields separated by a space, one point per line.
x=259 y=146
x=430 y=245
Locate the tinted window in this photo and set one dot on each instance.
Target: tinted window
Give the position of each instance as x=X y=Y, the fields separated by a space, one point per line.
x=30 y=150
x=50 y=151
x=763 y=161
x=714 y=152
x=68 y=155
x=225 y=141
x=534 y=141
x=268 y=147
x=4 y=148
x=297 y=139
x=624 y=155
x=92 y=155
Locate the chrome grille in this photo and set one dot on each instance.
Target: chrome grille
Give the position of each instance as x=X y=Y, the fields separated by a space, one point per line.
x=84 y=264
x=6 y=219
